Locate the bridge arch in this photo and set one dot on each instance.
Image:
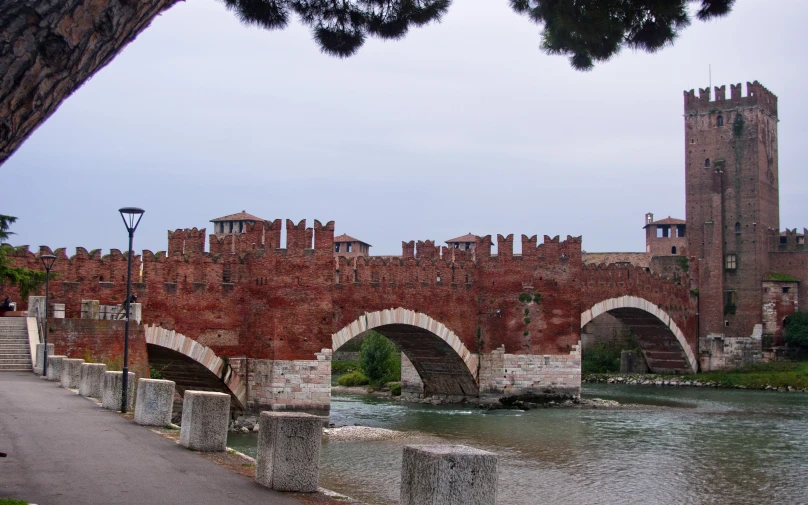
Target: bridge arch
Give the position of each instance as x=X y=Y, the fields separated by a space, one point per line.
x=664 y=345
x=193 y=366
x=444 y=364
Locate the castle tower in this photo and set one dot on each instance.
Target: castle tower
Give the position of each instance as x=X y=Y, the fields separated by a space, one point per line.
x=731 y=180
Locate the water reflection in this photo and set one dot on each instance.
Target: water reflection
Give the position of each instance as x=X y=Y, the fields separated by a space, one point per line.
x=688 y=446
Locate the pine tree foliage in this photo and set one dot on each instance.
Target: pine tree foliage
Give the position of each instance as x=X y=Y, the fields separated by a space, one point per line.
x=589 y=31
x=585 y=30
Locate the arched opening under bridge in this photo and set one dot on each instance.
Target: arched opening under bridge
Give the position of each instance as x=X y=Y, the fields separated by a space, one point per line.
x=443 y=363
x=660 y=339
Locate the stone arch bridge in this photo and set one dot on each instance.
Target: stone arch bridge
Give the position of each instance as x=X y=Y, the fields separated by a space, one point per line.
x=472 y=322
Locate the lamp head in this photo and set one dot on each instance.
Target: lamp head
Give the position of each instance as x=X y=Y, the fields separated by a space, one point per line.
x=128 y=214
x=47 y=260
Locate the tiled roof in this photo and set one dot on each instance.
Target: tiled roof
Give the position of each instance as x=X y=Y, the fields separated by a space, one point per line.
x=241 y=216
x=348 y=238
x=667 y=220
x=469 y=237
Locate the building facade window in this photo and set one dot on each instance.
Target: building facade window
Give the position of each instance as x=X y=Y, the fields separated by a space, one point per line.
x=720 y=120
x=673 y=250
x=336 y=247
x=707 y=163
x=730 y=299
x=737 y=227
x=731 y=262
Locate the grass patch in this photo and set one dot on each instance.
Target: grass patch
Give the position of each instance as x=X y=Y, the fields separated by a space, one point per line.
x=12 y=501
x=395 y=389
x=353 y=379
x=779 y=374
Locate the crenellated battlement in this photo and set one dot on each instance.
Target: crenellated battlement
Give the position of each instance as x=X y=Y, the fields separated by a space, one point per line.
x=756 y=95
x=186 y=241
x=788 y=240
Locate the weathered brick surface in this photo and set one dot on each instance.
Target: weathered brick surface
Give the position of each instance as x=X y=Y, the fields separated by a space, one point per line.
x=101 y=342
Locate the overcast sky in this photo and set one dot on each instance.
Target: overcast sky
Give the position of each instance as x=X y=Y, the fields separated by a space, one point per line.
x=463 y=126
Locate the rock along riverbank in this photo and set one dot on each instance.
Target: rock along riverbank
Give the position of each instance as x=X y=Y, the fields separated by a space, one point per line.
x=672 y=381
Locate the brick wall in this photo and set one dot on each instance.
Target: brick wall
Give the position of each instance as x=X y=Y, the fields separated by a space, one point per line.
x=101 y=342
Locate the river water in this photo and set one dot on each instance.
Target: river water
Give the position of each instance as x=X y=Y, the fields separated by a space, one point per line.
x=685 y=446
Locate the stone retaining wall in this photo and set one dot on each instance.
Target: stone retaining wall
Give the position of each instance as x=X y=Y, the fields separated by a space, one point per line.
x=528 y=374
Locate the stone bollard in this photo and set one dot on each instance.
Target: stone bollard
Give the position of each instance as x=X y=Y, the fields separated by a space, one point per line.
x=91 y=384
x=55 y=367
x=288 y=456
x=449 y=475
x=40 y=357
x=155 y=401
x=205 y=416
x=71 y=373
x=113 y=386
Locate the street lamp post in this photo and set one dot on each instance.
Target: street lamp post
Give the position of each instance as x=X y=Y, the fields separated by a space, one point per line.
x=47 y=261
x=128 y=214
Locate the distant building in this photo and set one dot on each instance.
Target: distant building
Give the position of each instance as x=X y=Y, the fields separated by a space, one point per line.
x=233 y=224
x=467 y=242
x=349 y=247
x=665 y=237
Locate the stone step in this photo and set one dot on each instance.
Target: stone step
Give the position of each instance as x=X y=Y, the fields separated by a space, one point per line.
x=14 y=369
x=14 y=354
x=15 y=363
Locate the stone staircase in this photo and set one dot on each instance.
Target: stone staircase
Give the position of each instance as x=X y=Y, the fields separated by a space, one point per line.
x=15 y=353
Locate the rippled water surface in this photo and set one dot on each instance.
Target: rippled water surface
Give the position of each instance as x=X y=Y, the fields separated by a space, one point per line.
x=688 y=446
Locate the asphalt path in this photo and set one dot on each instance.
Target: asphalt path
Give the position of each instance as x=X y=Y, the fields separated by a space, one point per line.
x=64 y=449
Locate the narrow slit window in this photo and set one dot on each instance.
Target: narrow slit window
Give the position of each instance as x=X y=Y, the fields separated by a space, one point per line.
x=673 y=250
x=707 y=163
x=720 y=120
x=737 y=227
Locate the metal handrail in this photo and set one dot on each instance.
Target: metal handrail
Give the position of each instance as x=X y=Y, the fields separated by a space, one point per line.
x=39 y=322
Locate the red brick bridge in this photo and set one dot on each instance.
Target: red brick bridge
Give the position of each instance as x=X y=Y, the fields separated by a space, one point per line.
x=471 y=323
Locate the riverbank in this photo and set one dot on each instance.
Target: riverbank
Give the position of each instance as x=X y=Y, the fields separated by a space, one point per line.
x=781 y=377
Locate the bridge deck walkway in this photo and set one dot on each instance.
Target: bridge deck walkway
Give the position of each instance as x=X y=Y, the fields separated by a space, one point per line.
x=64 y=449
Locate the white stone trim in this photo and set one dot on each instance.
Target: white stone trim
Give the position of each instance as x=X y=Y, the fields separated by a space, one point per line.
x=634 y=302
x=371 y=320
x=203 y=355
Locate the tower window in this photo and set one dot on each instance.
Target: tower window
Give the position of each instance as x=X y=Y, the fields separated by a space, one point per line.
x=707 y=163
x=336 y=247
x=783 y=240
x=785 y=290
x=737 y=227
x=673 y=250
x=731 y=262
x=349 y=247
x=800 y=239
x=720 y=120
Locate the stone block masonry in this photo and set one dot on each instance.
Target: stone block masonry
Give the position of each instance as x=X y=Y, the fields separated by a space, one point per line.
x=503 y=374
x=55 y=367
x=71 y=373
x=113 y=386
x=288 y=457
x=91 y=384
x=448 y=475
x=155 y=401
x=205 y=416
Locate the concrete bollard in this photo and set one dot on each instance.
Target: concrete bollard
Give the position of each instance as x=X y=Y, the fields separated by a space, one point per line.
x=91 y=384
x=449 y=475
x=71 y=372
x=155 y=401
x=55 y=367
x=113 y=386
x=288 y=456
x=205 y=416
x=40 y=357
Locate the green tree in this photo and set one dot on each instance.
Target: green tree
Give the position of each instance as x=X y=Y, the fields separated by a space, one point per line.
x=47 y=65
x=24 y=279
x=377 y=358
x=796 y=330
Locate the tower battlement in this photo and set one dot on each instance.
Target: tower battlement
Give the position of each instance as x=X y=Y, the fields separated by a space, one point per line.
x=756 y=95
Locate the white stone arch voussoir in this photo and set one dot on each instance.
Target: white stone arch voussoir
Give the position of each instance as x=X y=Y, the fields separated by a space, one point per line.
x=203 y=355
x=635 y=302
x=371 y=320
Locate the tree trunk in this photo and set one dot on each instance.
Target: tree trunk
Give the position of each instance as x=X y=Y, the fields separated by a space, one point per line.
x=48 y=48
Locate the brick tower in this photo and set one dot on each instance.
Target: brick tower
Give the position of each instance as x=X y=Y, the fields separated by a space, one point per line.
x=732 y=192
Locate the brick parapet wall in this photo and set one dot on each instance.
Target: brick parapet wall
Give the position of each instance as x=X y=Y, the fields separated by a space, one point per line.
x=100 y=341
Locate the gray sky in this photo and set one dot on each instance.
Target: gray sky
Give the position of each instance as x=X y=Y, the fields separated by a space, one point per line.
x=462 y=126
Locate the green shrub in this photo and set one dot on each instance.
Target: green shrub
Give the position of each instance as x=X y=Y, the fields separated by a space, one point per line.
x=340 y=367
x=379 y=359
x=796 y=330
x=353 y=379
x=525 y=298
x=395 y=389
x=537 y=298
x=601 y=358
x=527 y=320
x=156 y=374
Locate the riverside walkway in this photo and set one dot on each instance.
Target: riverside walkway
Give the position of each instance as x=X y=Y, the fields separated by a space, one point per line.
x=65 y=450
